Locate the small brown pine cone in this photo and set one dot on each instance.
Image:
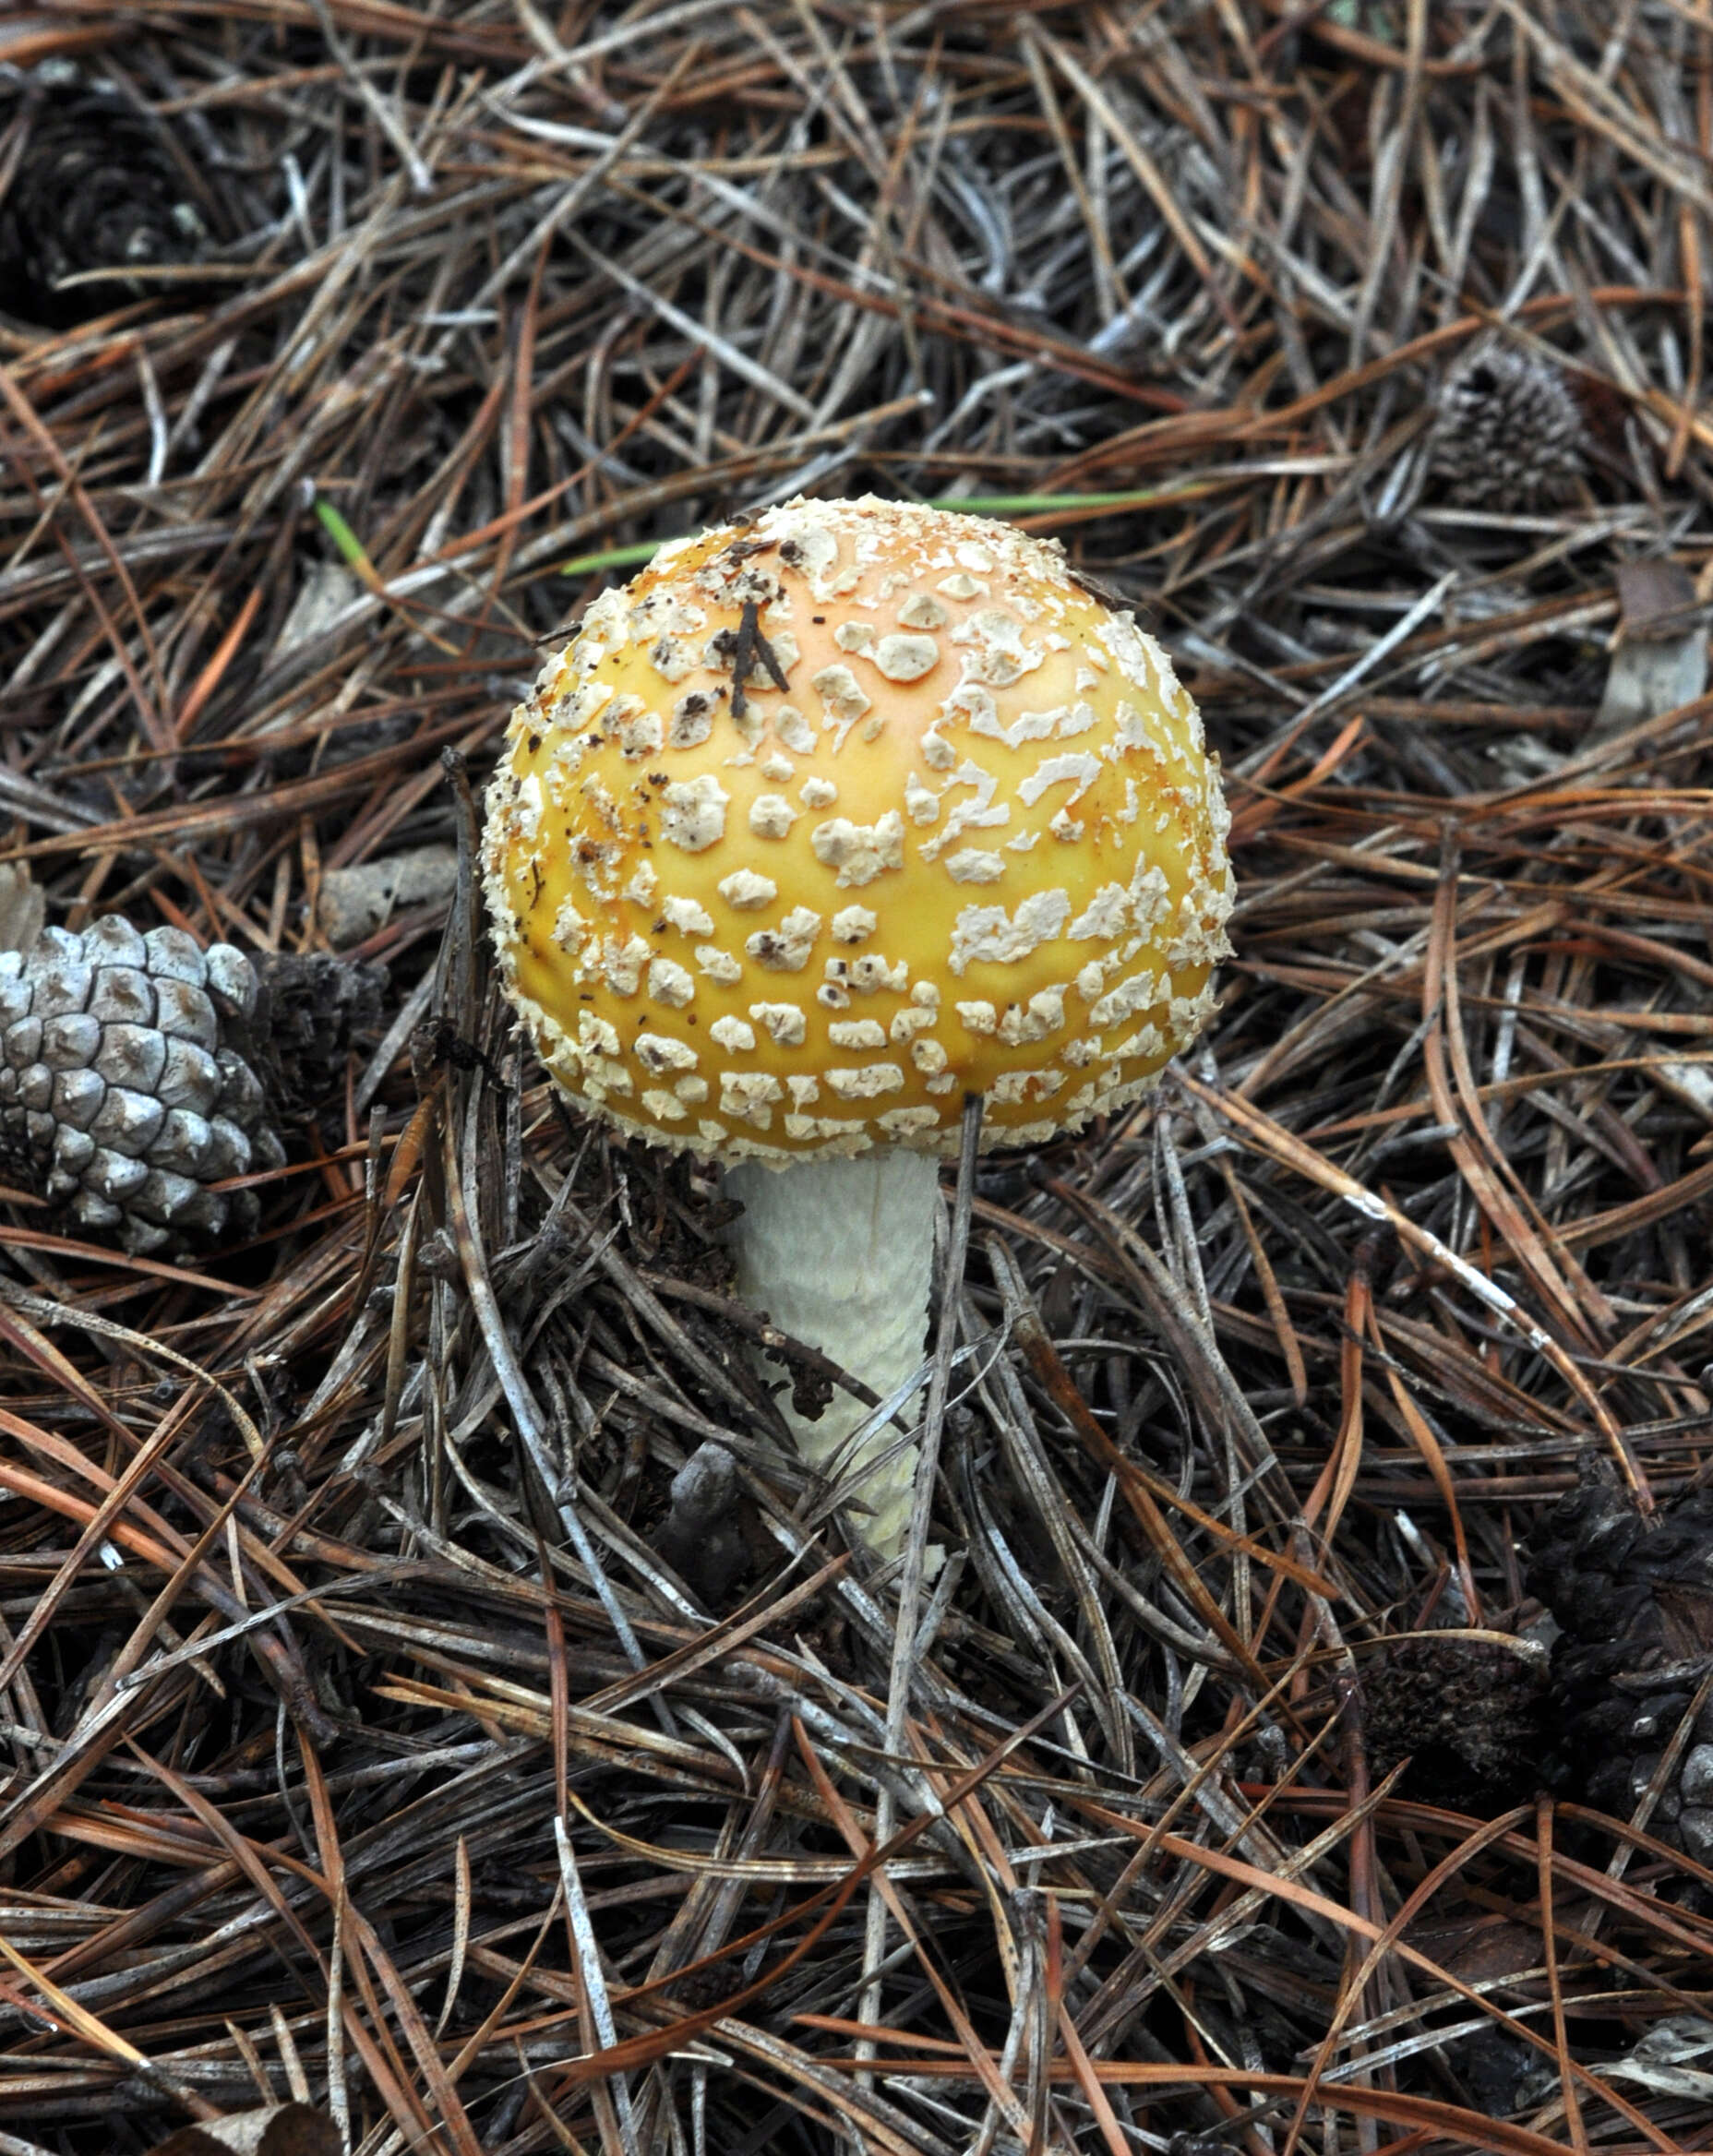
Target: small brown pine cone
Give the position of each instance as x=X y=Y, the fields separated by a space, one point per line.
x=95 y=189
x=309 y=1009
x=1509 y=432
x=1466 y=1712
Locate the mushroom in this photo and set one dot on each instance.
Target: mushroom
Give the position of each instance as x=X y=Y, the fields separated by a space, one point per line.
x=830 y=819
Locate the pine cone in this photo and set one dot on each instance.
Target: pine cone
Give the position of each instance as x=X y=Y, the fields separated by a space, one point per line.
x=122 y=1098
x=95 y=189
x=135 y=1072
x=1634 y=1596
x=1509 y=431
x=310 y=1006
x=1465 y=1712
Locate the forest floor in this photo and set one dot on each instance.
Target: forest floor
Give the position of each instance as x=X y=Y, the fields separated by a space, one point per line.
x=1361 y=348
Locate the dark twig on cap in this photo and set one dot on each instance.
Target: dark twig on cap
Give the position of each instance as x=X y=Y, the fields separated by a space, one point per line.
x=749 y=646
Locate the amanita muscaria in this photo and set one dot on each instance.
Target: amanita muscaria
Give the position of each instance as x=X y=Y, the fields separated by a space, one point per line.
x=826 y=821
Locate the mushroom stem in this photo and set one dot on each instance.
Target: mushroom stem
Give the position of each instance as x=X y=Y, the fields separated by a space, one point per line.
x=841 y=1254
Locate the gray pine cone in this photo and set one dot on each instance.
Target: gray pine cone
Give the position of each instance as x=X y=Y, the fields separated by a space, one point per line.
x=122 y=1094
x=1509 y=432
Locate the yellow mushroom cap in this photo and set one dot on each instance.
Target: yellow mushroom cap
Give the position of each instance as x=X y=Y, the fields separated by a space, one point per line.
x=973 y=843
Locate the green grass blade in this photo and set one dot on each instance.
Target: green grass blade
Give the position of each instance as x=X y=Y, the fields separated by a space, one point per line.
x=344 y=538
x=969 y=505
